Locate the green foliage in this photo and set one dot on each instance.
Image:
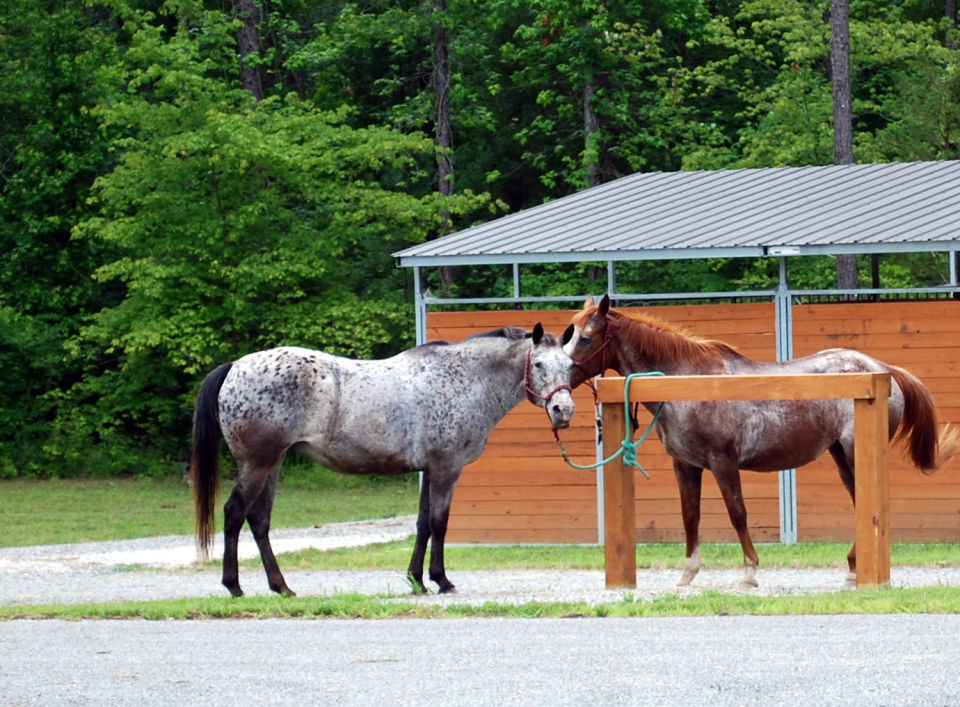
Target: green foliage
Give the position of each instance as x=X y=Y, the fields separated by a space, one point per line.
x=240 y=225
x=51 y=56
x=764 y=96
x=156 y=220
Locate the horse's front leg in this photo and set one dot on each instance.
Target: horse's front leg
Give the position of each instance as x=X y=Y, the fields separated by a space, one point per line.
x=851 y=580
x=415 y=570
x=441 y=493
x=727 y=475
x=842 y=453
x=689 y=480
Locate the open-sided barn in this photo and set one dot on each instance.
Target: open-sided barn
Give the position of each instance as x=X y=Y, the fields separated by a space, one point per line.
x=520 y=490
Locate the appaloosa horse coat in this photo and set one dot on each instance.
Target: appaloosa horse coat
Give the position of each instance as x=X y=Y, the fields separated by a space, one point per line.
x=428 y=409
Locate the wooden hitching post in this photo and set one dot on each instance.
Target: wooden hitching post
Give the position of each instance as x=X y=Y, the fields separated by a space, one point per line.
x=871 y=424
x=619 y=512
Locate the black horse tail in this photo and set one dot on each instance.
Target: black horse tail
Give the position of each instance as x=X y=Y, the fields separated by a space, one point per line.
x=930 y=447
x=204 y=461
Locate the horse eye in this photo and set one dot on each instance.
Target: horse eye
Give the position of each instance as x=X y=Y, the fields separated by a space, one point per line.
x=538 y=365
x=584 y=340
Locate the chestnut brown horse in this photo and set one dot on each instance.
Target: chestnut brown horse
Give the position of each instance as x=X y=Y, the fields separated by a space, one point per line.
x=728 y=436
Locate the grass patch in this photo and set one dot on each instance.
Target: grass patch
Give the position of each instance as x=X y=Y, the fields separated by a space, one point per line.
x=50 y=511
x=930 y=600
x=588 y=557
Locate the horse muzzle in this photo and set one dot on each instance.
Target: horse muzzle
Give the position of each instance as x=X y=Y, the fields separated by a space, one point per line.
x=560 y=409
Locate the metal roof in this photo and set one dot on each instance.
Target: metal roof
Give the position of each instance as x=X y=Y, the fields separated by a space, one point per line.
x=868 y=208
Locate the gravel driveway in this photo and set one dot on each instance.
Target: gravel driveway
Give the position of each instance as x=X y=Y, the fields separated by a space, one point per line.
x=99 y=572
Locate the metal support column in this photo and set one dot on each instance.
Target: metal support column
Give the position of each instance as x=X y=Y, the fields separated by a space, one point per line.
x=419 y=308
x=788 y=477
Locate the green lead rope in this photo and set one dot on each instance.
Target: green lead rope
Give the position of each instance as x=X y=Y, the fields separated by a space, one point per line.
x=627 y=448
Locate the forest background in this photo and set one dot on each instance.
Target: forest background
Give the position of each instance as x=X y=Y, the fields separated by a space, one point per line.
x=186 y=181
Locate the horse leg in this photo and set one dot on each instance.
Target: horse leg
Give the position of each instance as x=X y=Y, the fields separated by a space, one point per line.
x=845 y=467
x=250 y=484
x=233 y=515
x=728 y=479
x=441 y=493
x=415 y=570
x=258 y=516
x=689 y=479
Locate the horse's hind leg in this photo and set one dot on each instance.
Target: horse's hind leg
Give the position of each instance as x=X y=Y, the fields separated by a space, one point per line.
x=845 y=467
x=728 y=479
x=234 y=512
x=258 y=516
x=251 y=482
x=689 y=481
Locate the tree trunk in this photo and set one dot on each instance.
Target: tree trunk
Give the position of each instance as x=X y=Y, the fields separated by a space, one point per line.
x=591 y=126
x=248 y=42
x=950 y=12
x=842 y=114
x=443 y=136
x=600 y=167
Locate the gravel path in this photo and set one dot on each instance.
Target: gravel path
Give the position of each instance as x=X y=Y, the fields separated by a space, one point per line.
x=100 y=572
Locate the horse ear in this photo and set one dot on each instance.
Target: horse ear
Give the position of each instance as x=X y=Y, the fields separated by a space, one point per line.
x=604 y=306
x=589 y=302
x=567 y=335
x=537 y=333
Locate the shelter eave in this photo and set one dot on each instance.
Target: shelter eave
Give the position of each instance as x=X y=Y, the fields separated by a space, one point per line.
x=578 y=256
x=746 y=251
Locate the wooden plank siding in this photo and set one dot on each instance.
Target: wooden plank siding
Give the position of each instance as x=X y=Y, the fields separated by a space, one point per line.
x=520 y=490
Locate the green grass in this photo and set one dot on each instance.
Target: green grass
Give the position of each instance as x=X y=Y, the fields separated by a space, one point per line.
x=585 y=557
x=932 y=600
x=44 y=512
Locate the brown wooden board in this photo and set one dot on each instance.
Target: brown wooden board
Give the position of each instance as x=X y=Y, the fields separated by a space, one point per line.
x=923 y=337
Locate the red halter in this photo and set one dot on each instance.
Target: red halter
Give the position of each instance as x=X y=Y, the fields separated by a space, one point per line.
x=534 y=395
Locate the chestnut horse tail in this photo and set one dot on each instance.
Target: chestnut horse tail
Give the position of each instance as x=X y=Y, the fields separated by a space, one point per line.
x=930 y=447
x=204 y=461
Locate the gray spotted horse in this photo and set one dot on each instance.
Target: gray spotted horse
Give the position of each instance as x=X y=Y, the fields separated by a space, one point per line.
x=428 y=409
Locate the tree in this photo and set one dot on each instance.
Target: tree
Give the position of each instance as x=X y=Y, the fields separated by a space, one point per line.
x=248 y=43
x=55 y=59
x=842 y=114
x=443 y=136
x=241 y=224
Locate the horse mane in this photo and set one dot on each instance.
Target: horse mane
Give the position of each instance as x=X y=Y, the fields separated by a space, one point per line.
x=512 y=333
x=668 y=340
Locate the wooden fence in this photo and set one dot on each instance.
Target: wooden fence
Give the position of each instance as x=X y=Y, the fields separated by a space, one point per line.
x=520 y=490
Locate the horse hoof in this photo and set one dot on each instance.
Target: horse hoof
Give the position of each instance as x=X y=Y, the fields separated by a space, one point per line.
x=686 y=578
x=749 y=578
x=416 y=585
x=449 y=589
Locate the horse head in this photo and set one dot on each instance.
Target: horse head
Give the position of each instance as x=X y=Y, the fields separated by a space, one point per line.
x=590 y=345
x=547 y=376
